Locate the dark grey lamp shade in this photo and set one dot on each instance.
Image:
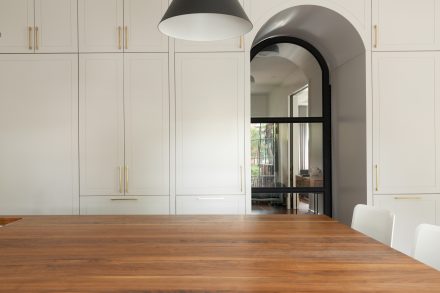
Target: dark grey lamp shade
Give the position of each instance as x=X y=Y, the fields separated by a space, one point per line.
x=205 y=20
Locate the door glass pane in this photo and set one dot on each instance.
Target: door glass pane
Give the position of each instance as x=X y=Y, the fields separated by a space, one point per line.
x=281 y=203
x=286 y=81
x=287 y=155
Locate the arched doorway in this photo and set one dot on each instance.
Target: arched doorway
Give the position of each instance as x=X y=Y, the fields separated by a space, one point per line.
x=342 y=38
x=307 y=184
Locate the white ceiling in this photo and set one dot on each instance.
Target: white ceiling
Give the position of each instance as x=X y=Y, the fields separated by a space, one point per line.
x=328 y=31
x=291 y=67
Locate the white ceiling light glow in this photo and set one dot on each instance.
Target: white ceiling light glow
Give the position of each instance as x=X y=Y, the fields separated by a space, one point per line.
x=205 y=20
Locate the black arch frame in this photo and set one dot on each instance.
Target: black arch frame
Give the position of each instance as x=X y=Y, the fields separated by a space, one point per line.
x=325 y=120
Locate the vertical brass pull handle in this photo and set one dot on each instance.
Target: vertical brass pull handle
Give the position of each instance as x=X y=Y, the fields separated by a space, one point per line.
x=120 y=179
x=126 y=179
x=241 y=42
x=37 y=36
x=241 y=178
x=119 y=38
x=375 y=36
x=30 y=37
x=126 y=37
x=376 y=167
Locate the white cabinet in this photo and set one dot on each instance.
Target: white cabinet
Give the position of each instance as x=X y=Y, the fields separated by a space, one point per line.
x=118 y=26
x=210 y=205
x=406 y=90
x=123 y=205
x=100 y=25
x=147 y=123
x=56 y=26
x=210 y=123
x=124 y=124
x=101 y=124
x=410 y=212
x=141 y=18
x=231 y=45
x=406 y=25
x=16 y=26
x=39 y=128
x=41 y=26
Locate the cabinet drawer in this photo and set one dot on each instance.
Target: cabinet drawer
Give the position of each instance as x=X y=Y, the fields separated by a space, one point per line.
x=124 y=205
x=410 y=212
x=210 y=205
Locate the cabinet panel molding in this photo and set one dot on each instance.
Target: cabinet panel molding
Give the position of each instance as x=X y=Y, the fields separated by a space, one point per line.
x=39 y=128
x=406 y=25
x=101 y=124
x=209 y=123
x=406 y=119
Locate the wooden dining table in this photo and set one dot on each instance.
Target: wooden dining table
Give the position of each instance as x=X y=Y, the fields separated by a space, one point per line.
x=264 y=253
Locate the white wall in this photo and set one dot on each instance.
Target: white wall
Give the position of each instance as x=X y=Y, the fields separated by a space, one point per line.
x=259 y=106
x=349 y=137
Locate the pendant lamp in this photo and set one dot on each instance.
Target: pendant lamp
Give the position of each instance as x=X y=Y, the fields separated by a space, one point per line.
x=205 y=20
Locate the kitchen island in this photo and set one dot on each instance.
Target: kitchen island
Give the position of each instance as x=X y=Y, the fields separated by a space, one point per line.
x=266 y=253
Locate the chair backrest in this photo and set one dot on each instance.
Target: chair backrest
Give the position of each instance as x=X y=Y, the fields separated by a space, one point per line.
x=374 y=222
x=427 y=245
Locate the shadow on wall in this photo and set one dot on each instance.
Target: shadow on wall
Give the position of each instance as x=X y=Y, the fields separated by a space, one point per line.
x=342 y=47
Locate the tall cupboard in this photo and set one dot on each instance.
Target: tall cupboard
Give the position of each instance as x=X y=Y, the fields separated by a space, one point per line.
x=406 y=114
x=124 y=125
x=210 y=131
x=39 y=134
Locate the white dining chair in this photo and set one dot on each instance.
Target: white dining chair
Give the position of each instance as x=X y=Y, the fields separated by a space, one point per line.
x=427 y=245
x=374 y=222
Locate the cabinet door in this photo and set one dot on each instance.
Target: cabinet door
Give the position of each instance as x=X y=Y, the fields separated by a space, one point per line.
x=100 y=25
x=406 y=24
x=101 y=124
x=141 y=18
x=39 y=134
x=122 y=205
x=16 y=26
x=147 y=123
x=410 y=212
x=209 y=123
x=406 y=89
x=56 y=21
x=209 y=205
x=231 y=45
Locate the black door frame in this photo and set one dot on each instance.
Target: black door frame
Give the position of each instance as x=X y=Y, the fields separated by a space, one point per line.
x=325 y=120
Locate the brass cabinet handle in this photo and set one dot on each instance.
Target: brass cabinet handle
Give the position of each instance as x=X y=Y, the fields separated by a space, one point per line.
x=126 y=36
x=120 y=179
x=119 y=38
x=37 y=41
x=376 y=167
x=123 y=199
x=375 y=36
x=241 y=42
x=30 y=37
x=407 y=198
x=126 y=179
x=241 y=179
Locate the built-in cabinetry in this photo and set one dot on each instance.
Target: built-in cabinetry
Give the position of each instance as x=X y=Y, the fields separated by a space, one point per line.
x=124 y=124
x=406 y=114
x=406 y=25
x=123 y=26
x=210 y=205
x=209 y=129
x=40 y=26
x=39 y=134
x=125 y=205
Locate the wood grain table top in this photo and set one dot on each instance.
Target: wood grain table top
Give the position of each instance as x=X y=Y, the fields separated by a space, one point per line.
x=265 y=253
